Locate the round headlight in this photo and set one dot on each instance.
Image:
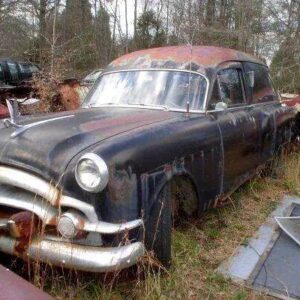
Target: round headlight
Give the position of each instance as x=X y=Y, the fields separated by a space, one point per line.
x=91 y=173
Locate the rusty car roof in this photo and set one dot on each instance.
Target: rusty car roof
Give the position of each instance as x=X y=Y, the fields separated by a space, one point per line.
x=195 y=58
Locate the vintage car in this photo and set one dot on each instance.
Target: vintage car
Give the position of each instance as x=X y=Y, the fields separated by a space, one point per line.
x=163 y=133
x=14 y=72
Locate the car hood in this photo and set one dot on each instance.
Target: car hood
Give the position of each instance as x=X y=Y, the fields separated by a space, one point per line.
x=47 y=148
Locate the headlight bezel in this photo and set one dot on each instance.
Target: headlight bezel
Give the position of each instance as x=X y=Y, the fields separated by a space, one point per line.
x=102 y=169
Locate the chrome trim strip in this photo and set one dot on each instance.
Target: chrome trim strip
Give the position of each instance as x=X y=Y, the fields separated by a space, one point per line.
x=28 y=182
x=83 y=258
x=22 y=128
x=110 y=228
x=47 y=191
x=47 y=213
x=151 y=107
x=80 y=224
x=84 y=207
x=244 y=106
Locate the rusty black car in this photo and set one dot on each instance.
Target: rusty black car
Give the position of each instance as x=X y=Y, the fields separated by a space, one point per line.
x=163 y=133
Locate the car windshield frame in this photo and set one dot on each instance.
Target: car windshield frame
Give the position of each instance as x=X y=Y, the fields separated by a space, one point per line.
x=86 y=103
x=93 y=76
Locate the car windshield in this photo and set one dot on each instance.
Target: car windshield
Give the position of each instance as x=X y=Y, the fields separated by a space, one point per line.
x=167 y=89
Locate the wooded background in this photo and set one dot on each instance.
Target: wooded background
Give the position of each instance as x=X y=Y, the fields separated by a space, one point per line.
x=77 y=36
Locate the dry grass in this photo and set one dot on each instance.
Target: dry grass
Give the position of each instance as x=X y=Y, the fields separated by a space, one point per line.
x=199 y=246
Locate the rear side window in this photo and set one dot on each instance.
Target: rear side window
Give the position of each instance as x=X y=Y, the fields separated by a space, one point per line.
x=1 y=74
x=25 y=70
x=13 y=71
x=263 y=90
x=33 y=68
x=231 y=87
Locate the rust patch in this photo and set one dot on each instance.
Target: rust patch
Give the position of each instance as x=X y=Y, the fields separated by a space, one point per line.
x=121 y=185
x=181 y=57
x=57 y=200
x=23 y=226
x=69 y=96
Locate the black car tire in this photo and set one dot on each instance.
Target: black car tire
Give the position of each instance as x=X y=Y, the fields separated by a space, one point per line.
x=159 y=228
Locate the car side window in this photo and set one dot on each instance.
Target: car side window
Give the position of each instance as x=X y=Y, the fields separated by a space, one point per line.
x=1 y=74
x=263 y=90
x=13 y=71
x=231 y=86
x=25 y=70
x=33 y=69
x=215 y=96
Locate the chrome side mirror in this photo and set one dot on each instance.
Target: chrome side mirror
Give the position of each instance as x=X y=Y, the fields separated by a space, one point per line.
x=221 y=106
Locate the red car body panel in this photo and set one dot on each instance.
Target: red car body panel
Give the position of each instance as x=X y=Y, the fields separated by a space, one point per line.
x=3 y=111
x=14 y=287
x=292 y=102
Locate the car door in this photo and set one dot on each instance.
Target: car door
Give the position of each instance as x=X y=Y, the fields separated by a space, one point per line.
x=264 y=107
x=238 y=131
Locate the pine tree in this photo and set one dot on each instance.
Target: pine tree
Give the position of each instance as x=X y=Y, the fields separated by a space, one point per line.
x=103 y=37
x=78 y=33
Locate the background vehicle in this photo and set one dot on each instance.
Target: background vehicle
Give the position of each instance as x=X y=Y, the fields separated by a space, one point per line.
x=16 y=72
x=15 y=79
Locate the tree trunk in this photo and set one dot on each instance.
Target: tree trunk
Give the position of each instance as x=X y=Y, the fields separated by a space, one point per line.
x=115 y=25
x=53 y=45
x=42 y=28
x=168 y=16
x=135 y=18
x=210 y=12
x=126 y=26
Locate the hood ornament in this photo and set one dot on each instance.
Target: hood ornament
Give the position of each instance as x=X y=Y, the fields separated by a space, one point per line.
x=14 y=112
x=13 y=109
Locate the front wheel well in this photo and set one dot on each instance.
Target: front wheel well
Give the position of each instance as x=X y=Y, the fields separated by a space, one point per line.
x=184 y=197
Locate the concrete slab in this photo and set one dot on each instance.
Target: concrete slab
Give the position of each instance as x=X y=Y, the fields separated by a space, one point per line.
x=246 y=263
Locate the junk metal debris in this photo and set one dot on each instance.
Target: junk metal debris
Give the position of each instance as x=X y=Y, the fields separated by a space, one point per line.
x=291 y=226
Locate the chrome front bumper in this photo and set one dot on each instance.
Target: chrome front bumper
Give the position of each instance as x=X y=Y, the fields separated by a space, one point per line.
x=78 y=257
x=26 y=192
